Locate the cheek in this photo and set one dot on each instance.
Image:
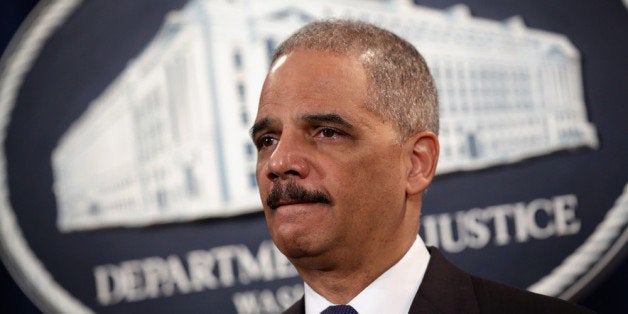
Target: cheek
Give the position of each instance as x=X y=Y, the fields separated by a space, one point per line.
x=260 y=173
x=377 y=169
x=373 y=180
x=259 y=166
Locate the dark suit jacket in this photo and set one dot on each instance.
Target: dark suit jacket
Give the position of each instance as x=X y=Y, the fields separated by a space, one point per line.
x=447 y=289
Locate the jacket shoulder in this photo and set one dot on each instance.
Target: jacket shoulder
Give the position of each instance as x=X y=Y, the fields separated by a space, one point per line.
x=494 y=297
x=448 y=289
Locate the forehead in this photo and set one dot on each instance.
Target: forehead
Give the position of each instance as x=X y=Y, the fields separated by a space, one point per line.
x=314 y=78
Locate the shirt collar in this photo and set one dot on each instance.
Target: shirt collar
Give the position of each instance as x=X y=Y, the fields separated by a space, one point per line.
x=392 y=292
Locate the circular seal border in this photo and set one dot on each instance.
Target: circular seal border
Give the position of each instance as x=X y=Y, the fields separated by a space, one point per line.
x=566 y=280
x=15 y=252
x=589 y=260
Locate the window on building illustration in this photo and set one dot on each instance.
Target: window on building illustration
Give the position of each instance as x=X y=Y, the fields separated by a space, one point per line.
x=473 y=145
x=191 y=183
x=271 y=44
x=161 y=199
x=237 y=60
x=450 y=93
x=250 y=151
x=94 y=209
x=252 y=180
x=244 y=116
x=435 y=71
x=241 y=92
x=462 y=93
x=448 y=72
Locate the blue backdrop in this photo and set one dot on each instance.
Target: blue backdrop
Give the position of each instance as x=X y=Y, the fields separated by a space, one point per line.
x=606 y=296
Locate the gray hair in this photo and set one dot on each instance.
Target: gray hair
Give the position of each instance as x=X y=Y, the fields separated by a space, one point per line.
x=402 y=89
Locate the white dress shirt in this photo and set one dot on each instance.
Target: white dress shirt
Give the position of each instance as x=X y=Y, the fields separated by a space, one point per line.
x=392 y=292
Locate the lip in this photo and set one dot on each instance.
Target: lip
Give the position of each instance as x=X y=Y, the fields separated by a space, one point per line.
x=290 y=203
x=297 y=213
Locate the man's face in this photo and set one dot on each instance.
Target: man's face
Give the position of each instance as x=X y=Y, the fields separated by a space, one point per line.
x=330 y=172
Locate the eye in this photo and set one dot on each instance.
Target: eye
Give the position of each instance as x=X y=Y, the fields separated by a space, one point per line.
x=327 y=132
x=265 y=141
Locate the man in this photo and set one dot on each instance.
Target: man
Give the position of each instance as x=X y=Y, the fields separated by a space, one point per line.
x=346 y=137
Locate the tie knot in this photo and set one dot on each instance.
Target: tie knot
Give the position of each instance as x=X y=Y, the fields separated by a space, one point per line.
x=339 y=309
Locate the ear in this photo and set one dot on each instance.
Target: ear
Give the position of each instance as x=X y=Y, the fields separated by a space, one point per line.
x=422 y=150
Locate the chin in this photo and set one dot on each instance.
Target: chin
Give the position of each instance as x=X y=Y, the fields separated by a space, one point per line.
x=294 y=246
x=308 y=252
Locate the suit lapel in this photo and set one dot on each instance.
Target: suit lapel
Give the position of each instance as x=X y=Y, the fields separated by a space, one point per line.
x=445 y=289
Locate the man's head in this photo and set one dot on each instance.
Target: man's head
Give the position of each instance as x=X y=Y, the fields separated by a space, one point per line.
x=345 y=133
x=401 y=88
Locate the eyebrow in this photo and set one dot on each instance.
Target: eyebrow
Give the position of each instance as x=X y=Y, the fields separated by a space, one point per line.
x=330 y=118
x=260 y=125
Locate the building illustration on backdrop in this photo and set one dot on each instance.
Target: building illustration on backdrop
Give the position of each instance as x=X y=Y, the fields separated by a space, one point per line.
x=168 y=138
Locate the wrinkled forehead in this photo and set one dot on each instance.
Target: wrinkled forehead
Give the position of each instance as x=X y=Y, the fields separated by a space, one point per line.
x=317 y=65
x=312 y=82
x=309 y=73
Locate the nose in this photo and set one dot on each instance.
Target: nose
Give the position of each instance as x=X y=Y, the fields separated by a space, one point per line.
x=288 y=160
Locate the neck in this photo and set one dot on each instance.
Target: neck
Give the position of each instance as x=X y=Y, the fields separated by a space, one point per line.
x=341 y=281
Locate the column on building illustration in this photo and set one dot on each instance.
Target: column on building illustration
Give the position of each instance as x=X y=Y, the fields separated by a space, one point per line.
x=174 y=124
x=228 y=34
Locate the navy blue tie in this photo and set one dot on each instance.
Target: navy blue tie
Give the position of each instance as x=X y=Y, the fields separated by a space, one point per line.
x=339 y=309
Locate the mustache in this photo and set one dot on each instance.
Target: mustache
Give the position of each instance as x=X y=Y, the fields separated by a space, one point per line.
x=291 y=192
